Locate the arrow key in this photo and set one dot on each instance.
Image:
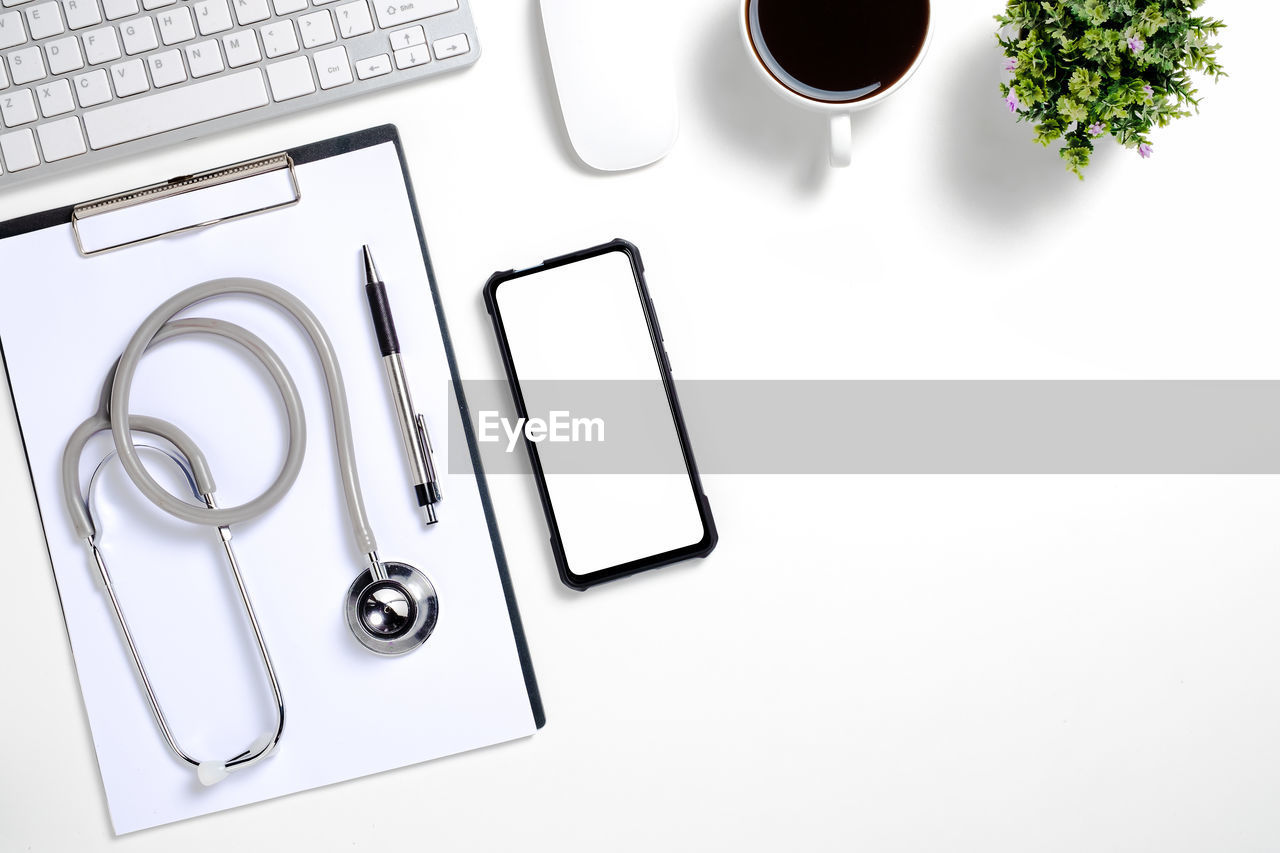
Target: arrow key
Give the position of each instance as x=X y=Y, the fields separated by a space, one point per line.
x=412 y=37
x=447 y=48
x=411 y=57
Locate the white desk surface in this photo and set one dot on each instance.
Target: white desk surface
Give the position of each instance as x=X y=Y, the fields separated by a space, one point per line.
x=888 y=664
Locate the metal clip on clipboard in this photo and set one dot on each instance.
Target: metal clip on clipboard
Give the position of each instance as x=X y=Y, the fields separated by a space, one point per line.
x=234 y=192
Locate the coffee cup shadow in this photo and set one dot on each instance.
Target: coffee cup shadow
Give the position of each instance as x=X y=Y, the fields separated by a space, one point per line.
x=786 y=140
x=989 y=161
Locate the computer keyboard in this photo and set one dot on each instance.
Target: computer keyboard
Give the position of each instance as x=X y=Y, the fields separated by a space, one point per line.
x=82 y=81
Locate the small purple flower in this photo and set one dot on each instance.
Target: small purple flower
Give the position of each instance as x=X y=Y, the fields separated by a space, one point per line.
x=1097 y=129
x=1136 y=44
x=1011 y=64
x=1013 y=102
x=1144 y=150
x=1148 y=89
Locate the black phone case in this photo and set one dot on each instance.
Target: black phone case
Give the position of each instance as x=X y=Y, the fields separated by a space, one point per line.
x=710 y=536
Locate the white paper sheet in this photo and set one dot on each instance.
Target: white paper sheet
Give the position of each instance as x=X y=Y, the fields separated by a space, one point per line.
x=64 y=319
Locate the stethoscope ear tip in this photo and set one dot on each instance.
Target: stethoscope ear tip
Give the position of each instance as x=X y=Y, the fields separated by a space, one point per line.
x=212 y=772
x=392 y=615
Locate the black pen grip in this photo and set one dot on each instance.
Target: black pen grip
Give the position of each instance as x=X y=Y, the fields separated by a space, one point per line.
x=383 y=324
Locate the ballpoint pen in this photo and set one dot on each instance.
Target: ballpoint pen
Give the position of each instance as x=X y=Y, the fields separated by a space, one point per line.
x=413 y=426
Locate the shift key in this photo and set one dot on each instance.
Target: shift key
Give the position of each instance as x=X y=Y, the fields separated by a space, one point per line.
x=140 y=117
x=393 y=12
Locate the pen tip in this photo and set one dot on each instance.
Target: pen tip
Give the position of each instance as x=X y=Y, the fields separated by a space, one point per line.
x=370 y=268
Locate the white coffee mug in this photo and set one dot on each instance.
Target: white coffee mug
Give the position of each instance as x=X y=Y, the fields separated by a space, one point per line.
x=840 y=111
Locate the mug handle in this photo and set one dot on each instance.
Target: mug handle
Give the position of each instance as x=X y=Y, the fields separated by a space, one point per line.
x=841 y=140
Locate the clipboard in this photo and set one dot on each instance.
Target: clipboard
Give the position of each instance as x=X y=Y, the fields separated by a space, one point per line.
x=295 y=217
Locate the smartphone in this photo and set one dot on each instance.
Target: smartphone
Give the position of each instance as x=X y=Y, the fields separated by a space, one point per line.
x=585 y=322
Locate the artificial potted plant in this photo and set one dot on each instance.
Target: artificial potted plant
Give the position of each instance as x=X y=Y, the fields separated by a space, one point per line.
x=1085 y=69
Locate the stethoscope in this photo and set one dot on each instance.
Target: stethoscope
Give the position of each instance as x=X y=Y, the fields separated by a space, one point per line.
x=391 y=607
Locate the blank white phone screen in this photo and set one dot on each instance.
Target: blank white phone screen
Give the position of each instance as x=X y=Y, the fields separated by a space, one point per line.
x=585 y=321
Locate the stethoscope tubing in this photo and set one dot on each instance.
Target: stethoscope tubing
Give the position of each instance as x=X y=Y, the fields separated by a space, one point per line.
x=160 y=326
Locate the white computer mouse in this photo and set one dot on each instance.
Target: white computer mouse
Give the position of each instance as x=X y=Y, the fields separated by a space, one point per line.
x=616 y=80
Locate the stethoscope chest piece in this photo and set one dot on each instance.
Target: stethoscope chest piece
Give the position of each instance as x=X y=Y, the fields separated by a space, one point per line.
x=394 y=614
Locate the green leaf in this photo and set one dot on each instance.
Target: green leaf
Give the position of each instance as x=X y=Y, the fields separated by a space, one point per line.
x=1075 y=68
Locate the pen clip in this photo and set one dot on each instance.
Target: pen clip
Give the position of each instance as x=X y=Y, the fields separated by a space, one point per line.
x=428 y=456
x=423 y=439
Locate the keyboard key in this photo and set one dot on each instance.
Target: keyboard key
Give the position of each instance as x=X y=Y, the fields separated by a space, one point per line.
x=12 y=33
x=61 y=139
x=333 y=68
x=176 y=26
x=393 y=12
x=93 y=88
x=64 y=55
x=4 y=78
x=163 y=111
x=374 y=66
x=354 y=19
x=156 y=4
x=279 y=39
x=117 y=9
x=19 y=150
x=18 y=107
x=412 y=37
x=204 y=58
x=139 y=35
x=317 y=28
x=291 y=78
x=412 y=56
x=81 y=13
x=26 y=66
x=242 y=48
x=129 y=78
x=288 y=7
x=101 y=46
x=251 y=11
x=446 y=48
x=166 y=68
x=213 y=16
x=55 y=98
x=44 y=20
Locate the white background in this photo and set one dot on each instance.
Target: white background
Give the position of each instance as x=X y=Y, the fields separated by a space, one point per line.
x=888 y=664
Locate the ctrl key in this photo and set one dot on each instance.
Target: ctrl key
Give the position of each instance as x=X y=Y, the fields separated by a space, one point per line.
x=19 y=150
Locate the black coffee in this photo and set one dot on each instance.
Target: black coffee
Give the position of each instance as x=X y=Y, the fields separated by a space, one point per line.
x=847 y=50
